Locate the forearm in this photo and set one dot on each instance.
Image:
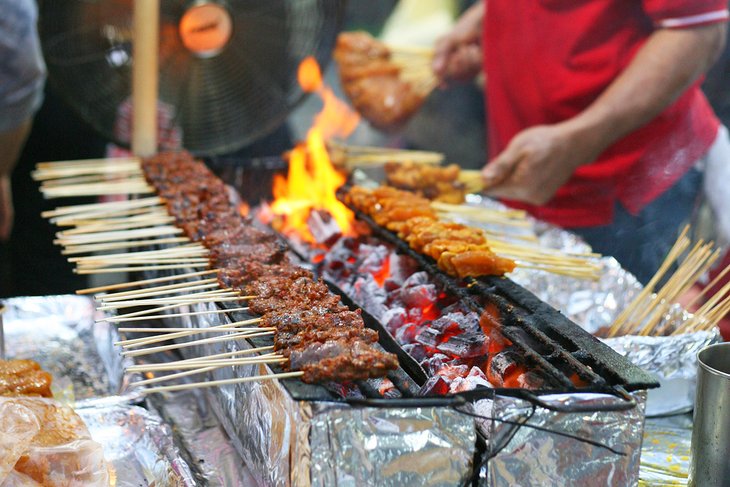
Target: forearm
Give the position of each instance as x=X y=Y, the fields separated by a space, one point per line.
x=11 y=143
x=669 y=62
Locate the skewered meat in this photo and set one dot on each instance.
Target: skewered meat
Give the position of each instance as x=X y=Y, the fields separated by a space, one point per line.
x=432 y=182
x=374 y=83
x=305 y=314
x=458 y=250
x=24 y=378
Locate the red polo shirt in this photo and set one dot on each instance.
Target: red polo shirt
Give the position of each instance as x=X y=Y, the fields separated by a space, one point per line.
x=548 y=60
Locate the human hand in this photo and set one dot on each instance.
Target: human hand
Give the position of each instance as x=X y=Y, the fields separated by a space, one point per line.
x=458 y=54
x=537 y=162
x=6 y=208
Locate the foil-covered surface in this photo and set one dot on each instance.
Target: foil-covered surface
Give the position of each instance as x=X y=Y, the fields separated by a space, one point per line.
x=595 y=305
x=60 y=333
x=673 y=360
x=390 y=446
x=137 y=445
x=527 y=456
x=211 y=453
x=665 y=454
x=259 y=417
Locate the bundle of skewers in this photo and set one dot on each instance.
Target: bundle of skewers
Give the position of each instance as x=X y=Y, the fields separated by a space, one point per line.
x=648 y=314
x=386 y=84
x=349 y=156
x=316 y=338
x=457 y=249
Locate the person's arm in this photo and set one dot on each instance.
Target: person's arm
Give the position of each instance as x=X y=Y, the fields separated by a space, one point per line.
x=458 y=54
x=11 y=143
x=540 y=159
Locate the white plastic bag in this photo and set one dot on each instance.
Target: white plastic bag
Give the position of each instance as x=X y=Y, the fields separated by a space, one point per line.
x=45 y=443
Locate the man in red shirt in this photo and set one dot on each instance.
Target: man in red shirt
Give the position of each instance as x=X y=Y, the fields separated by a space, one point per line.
x=595 y=115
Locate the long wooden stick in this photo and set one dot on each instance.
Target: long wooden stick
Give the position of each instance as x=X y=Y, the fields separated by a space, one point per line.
x=127 y=244
x=192 y=331
x=143 y=282
x=163 y=348
x=208 y=363
x=116 y=205
x=214 y=383
x=117 y=319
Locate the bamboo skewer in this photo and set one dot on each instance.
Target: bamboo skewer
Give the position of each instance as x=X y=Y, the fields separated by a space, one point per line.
x=145 y=317
x=209 y=363
x=126 y=244
x=144 y=282
x=163 y=337
x=176 y=346
x=193 y=331
x=109 y=205
x=141 y=268
x=214 y=383
x=179 y=301
x=170 y=288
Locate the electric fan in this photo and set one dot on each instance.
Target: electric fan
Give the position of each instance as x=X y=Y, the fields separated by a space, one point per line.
x=227 y=68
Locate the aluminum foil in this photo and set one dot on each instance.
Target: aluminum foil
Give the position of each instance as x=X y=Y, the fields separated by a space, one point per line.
x=665 y=454
x=596 y=304
x=60 y=333
x=137 y=445
x=390 y=447
x=534 y=457
x=212 y=455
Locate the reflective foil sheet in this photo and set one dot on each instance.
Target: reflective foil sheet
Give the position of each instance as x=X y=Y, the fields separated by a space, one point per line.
x=137 y=445
x=665 y=454
x=527 y=456
x=60 y=333
x=596 y=304
x=211 y=451
x=390 y=447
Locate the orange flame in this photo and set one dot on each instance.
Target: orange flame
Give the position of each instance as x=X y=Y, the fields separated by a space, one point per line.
x=312 y=181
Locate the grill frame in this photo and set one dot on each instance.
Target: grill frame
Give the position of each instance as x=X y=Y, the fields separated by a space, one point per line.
x=606 y=370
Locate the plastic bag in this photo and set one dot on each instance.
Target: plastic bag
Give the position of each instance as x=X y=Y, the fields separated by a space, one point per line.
x=45 y=443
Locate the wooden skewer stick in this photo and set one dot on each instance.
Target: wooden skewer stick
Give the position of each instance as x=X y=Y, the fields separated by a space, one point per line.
x=180 y=250
x=130 y=244
x=119 y=235
x=164 y=337
x=130 y=225
x=170 y=288
x=94 y=216
x=165 y=378
x=148 y=311
x=117 y=319
x=214 y=285
x=144 y=282
x=90 y=178
x=163 y=348
x=236 y=353
x=212 y=363
x=126 y=188
x=192 y=331
x=180 y=302
x=88 y=162
x=143 y=288
x=141 y=268
x=214 y=383
x=69 y=172
x=128 y=262
x=109 y=205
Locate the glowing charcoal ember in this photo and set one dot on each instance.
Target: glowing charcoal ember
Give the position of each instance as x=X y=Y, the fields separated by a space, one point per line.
x=465 y=345
x=474 y=379
x=430 y=337
x=529 y=380
x=417 y=351
x=373 y=258
x=503 y=366
x=323 y=227
x=370 y=296
x=434 y=363
x=451 y=371
x=394 y=318
x=434 y=386
x=387 y=389
x=464 y=322
x=401 y=268
x=408 y=333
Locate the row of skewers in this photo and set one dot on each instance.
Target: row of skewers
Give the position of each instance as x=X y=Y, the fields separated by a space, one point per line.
x=315 y=336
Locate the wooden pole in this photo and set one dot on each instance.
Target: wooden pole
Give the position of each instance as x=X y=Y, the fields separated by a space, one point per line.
x=145 y=77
